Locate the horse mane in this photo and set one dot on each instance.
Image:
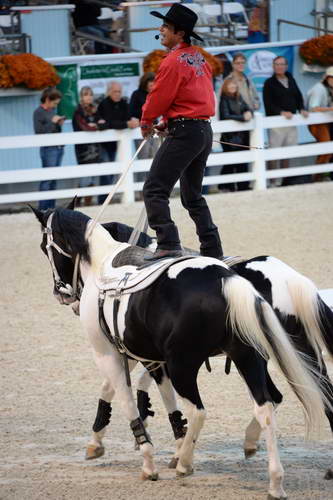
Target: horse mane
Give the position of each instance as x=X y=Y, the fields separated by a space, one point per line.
x=121 y=232
x=72 y=225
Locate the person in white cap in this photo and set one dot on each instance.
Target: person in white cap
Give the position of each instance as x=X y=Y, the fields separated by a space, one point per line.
x=320 y=98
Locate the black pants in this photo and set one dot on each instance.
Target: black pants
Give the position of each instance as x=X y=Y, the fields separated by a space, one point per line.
x=182 y=156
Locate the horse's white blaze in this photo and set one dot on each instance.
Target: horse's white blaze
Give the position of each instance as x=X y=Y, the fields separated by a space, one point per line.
x=266 y=418
x=293 y=293
x=196 y=263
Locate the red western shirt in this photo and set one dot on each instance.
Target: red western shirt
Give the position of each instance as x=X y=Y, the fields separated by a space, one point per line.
x=183 y=87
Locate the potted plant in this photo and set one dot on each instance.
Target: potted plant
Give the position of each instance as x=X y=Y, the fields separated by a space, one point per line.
x=317 y=53
x=22 y=73
x=152 y=61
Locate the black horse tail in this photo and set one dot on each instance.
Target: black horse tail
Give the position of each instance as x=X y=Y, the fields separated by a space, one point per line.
x=253 y=320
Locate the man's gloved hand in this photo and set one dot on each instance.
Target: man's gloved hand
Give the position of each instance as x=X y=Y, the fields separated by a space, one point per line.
x=161 y=128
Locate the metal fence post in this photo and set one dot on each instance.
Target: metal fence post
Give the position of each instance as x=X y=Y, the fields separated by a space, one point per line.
x=125 y=155
x=257 y=139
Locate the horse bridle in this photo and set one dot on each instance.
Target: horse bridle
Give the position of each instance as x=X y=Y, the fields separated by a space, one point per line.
x=61 y=287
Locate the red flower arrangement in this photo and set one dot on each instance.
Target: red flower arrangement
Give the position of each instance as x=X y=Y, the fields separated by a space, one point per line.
x=28 y=70
x=318 y=50
x=152 y=61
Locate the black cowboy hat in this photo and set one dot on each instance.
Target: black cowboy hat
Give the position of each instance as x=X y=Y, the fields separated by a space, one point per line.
x=181 y=17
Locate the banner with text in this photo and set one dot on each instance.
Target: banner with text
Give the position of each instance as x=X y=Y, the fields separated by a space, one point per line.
x=97 y=76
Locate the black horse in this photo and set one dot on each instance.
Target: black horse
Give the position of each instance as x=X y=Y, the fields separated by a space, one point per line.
x=194 y=308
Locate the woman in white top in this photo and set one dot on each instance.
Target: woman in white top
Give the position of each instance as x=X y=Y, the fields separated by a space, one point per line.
x=320 y=98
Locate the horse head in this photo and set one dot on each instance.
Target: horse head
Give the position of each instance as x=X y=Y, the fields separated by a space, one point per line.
x=59 y=249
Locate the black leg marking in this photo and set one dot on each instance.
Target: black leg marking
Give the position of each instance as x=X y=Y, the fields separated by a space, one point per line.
x=103 y=415
x=178 y=424
x=143 y=404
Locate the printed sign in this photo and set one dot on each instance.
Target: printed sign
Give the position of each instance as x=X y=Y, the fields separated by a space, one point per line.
x=97 y=76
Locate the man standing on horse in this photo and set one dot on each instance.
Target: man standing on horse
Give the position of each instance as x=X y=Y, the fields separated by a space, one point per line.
x=183 y=96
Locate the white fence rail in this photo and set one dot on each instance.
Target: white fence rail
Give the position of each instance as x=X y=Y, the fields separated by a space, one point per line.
x=257 y=158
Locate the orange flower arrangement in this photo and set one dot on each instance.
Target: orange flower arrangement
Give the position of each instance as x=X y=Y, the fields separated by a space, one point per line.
x=28 y=70
x=318 y=50
x=152 y=61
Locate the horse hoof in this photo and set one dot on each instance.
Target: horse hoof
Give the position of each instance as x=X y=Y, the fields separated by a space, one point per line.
x=173 y=463
x=250 y=452
x=329 y=474
x=149 y=477
x=94 y=452
x=188 y=472
x=270 y=497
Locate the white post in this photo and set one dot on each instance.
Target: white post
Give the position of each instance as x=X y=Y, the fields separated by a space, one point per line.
x=125 y=155
x=257 y=139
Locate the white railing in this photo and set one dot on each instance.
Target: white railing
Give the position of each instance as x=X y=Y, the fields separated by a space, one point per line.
x=257 y=157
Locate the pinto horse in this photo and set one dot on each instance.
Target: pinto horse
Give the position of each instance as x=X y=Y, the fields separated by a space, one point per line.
x=193 y=309
x=296 y=301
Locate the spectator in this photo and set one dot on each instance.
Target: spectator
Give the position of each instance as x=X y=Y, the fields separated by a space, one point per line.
x=46 y=121
x=282 y=97
x=114 y=109
x=320 y=98
x=246 y=87
x=139 y=96
x=183 y=95
x=233 y=107
x=85 y=119
x=85 y=18
x=138 y=99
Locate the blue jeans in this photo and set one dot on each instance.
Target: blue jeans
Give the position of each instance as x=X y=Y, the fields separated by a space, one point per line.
x=51 y=156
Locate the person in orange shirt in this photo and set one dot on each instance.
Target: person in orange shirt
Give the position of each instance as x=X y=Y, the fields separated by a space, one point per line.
x=183 y=96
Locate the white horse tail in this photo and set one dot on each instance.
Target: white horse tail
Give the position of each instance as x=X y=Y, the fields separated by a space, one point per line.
x=253 y=320
x=306 y=303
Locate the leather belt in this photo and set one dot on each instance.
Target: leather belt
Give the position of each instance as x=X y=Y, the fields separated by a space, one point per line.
x=185 y=119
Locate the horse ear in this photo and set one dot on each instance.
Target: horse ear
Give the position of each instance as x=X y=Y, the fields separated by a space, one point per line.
x=38 y=213
x=72 y=203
